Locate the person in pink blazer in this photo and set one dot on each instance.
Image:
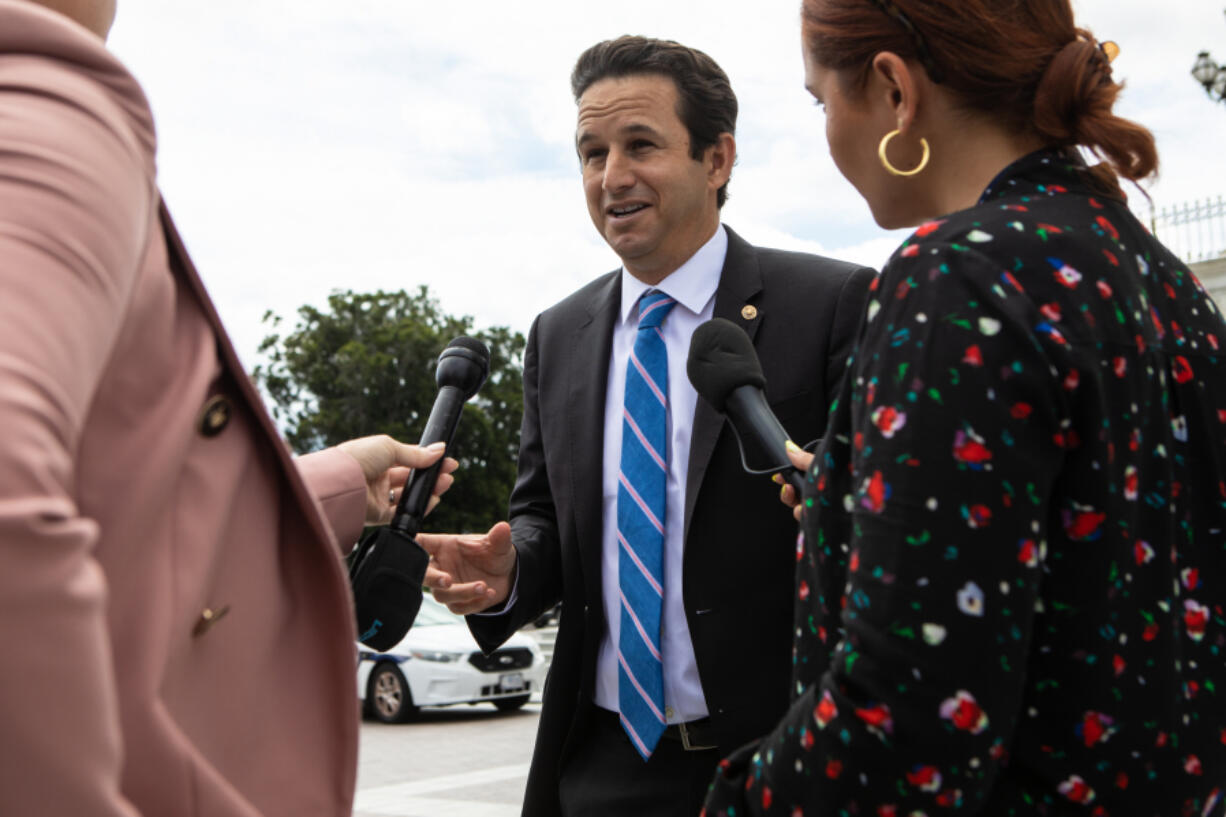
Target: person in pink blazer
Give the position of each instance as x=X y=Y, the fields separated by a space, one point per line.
x=176 y=626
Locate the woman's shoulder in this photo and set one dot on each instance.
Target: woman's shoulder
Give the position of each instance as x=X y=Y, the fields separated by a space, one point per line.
x=1014 y=232
x=52 y=67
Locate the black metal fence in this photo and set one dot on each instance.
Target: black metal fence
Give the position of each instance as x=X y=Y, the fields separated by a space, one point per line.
x=1195 y=231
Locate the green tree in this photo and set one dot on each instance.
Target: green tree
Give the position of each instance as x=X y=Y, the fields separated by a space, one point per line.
x=365 y=365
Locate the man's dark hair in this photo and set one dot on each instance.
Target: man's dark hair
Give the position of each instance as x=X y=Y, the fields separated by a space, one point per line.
x=706 y=104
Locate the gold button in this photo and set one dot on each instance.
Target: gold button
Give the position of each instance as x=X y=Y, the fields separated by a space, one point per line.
x=215 y=415
x=668 y=713
x=208 y=618
x=749 y=312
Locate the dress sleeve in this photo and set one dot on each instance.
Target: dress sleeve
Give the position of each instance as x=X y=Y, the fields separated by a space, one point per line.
x=950 y=450
x=847 y=317
x=76 y=205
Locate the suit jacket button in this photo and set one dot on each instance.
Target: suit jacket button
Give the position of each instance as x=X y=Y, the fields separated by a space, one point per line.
x=215 y=415
x=208 y=618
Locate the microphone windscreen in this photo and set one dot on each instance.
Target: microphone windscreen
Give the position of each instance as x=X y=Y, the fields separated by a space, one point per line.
x=463 y=365
x=722 y=359
x=472 y=345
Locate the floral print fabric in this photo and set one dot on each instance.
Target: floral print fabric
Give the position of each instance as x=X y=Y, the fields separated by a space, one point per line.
x=1011 y=580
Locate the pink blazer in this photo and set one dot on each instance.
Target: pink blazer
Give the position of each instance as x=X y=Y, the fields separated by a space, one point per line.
x=176 y=631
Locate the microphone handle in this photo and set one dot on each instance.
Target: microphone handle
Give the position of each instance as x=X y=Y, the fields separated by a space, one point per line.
x=440 y=427
x=752 y=417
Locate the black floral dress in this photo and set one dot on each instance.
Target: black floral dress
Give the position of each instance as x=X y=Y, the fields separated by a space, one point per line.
x=1011 y=581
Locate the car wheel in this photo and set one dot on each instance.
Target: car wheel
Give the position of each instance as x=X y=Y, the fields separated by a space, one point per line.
x=511 y=704
x=388 y=697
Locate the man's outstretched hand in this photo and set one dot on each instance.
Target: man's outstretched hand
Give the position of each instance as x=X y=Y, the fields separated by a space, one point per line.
x=470 y=572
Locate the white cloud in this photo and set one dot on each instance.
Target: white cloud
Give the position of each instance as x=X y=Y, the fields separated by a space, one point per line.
x=312 y=145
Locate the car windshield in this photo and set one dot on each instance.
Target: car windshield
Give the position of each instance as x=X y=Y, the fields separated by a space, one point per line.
x=432 y=612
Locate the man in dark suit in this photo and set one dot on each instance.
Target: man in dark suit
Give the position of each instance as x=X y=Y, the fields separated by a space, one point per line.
x=656 y=146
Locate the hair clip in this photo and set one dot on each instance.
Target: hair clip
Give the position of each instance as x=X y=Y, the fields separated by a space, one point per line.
x=1110 y=50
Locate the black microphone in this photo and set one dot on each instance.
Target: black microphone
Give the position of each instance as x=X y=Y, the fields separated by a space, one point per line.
x=462 y=369
x=388 y=567
x=725 y=371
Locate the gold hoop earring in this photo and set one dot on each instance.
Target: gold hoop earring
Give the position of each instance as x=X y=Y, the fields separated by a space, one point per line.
x=893 y=171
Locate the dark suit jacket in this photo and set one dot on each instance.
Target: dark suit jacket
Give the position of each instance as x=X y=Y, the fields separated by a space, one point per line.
x=739 y=539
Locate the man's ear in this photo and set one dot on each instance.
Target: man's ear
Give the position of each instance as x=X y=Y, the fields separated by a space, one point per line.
x=893 y=82
x=719 y=159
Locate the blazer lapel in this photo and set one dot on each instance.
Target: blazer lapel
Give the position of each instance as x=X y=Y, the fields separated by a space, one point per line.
x=591 y=347
x=740 y=284
x=181 y=262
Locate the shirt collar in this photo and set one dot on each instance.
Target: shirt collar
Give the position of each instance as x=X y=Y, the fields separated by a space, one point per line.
x=692 y=284
x=1045 y=172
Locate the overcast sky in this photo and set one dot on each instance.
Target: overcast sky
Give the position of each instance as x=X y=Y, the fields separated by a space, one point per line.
x=308 y=146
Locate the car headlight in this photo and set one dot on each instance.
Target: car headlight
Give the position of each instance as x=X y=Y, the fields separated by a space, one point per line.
x=437 y=655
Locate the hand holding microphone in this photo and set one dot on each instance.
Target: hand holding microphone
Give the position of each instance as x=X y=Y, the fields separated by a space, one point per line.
x=388 y=567
x=725 y=371
x=386 y=464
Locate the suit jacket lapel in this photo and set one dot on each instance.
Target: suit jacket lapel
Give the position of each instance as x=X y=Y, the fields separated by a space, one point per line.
x=591 y=348
x=182 y=264
x=740 y=284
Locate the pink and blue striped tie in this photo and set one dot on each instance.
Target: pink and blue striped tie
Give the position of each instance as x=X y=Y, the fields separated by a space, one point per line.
x=640 y=528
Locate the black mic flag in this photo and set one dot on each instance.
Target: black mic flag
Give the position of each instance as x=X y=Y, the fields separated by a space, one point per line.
x=388 y=567
x=724 y=369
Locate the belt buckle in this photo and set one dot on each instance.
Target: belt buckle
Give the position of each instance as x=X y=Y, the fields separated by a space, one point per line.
x=685 y=740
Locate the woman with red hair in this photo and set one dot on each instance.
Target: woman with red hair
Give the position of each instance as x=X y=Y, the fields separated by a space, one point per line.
x=1010 y=586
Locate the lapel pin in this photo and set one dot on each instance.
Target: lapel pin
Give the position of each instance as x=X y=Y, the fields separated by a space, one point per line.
x=749 y=312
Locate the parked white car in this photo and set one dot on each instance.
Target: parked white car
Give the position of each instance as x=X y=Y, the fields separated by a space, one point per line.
x=439 y=664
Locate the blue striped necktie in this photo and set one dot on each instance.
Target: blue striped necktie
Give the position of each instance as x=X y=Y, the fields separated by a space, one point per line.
x=640 y=528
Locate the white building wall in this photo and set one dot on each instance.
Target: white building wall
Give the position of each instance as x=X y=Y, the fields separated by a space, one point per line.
x=1213 y=275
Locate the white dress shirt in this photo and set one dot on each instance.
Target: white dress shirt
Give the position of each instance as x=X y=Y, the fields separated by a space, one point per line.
x=693 y=286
